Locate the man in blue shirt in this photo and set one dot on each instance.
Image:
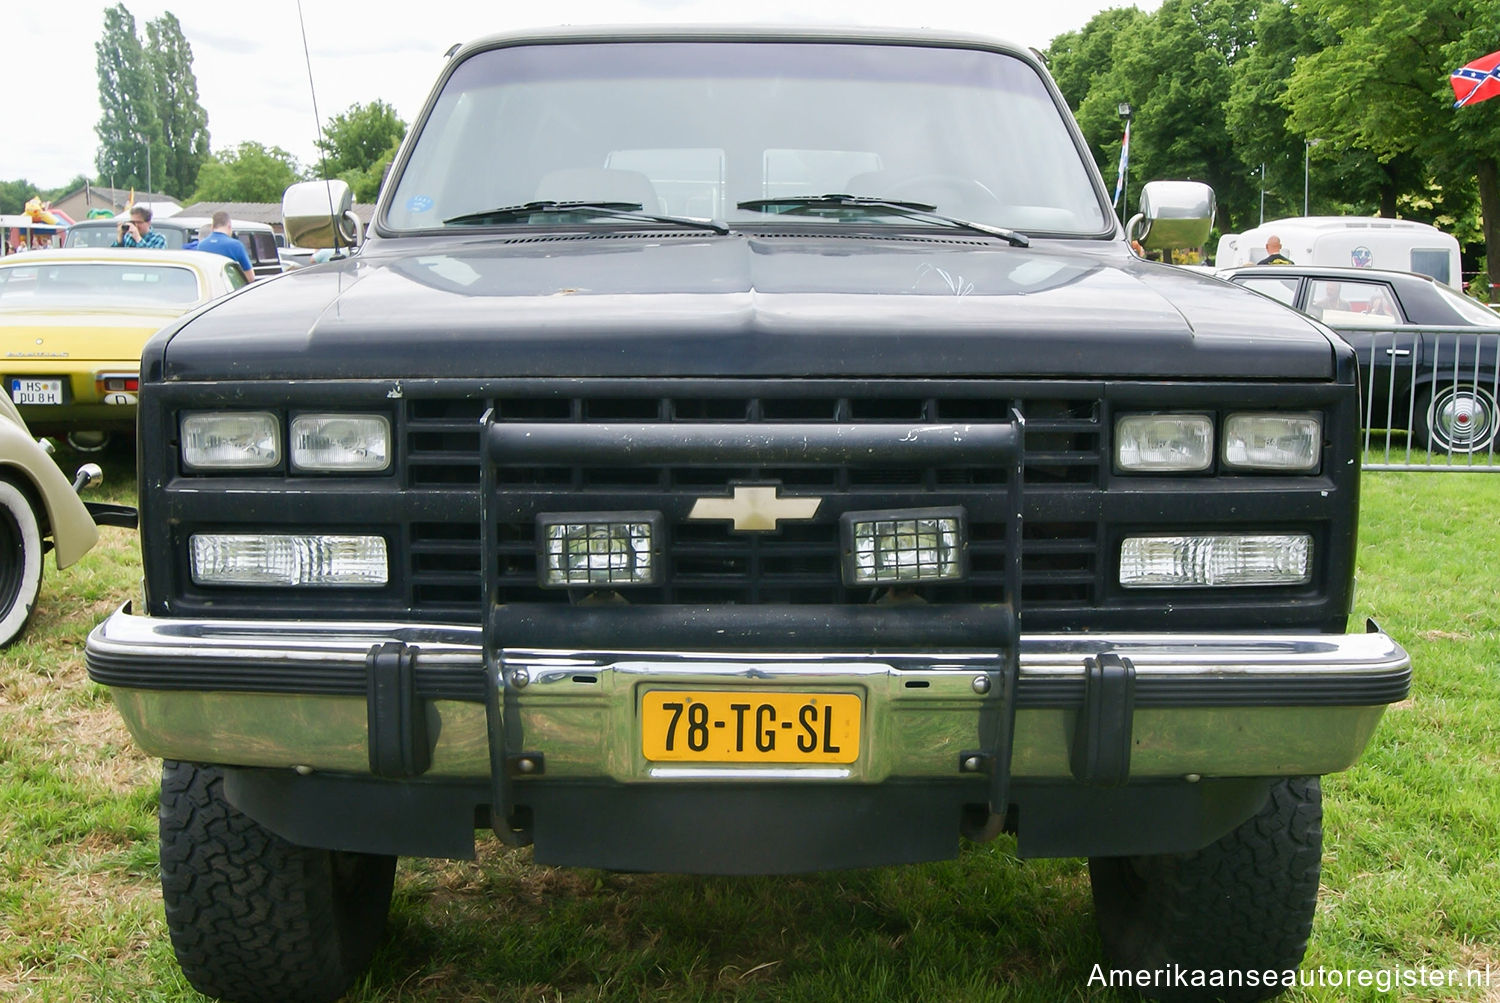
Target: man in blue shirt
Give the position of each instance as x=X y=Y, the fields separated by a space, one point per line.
x=221 y=241
x=137 y=232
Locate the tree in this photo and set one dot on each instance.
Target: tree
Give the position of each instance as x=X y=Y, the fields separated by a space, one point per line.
x=366 y=184
x=250 y=172
x=355 y=139
x=1384 y=88
x=53 y=194
x=128 y=125
x=1256 y=114
x=184 y=123
x=1074 y=59
x=13 y=195
x=1174 y=69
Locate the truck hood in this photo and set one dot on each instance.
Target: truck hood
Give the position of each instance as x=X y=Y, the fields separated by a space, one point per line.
x=682 y=303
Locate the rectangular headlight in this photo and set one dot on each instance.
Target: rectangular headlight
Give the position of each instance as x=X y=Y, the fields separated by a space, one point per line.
x=341 y=443
x=283 y=559
x=903 y=547
x=1290 y=442
x=231 y=440
x=1216 y=559
x=600 y=548
x=1164 y=443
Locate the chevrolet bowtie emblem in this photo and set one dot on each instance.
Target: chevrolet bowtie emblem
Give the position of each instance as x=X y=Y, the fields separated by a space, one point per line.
x=755 y=508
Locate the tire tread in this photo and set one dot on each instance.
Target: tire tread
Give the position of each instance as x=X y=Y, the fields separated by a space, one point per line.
x=252 y=917
x=1245 y=902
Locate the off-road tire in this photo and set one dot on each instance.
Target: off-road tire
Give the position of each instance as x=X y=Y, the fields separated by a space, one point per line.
x=20 y=560
x=253 y=918
x=1244 y=903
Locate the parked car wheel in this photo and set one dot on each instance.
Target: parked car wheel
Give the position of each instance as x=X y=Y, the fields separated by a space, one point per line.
x=1244 y=903
x=1458 y=418
x=253 y=918
x=88 y=441
x=20 y=560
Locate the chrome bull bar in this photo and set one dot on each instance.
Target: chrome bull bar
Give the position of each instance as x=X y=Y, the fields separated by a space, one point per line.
x=729 y=445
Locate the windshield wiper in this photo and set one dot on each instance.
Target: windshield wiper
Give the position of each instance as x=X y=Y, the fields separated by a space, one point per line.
x=614 y=210
x=911 y=210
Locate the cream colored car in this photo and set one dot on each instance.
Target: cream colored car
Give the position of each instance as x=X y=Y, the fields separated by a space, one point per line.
x=36 y=504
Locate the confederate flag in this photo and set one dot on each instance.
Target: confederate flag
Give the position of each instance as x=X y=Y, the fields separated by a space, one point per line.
x=1476 y=81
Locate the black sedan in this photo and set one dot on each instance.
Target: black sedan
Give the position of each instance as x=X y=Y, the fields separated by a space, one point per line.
x=1428 y=352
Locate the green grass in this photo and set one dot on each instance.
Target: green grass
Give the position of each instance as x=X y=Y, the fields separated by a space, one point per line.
x=1411 y=869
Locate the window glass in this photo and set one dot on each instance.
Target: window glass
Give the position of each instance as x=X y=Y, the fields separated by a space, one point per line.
x=260 y=245
x=1470 y=309
x=1284 y=290
x=1325 y=301
x=103 y=235
x=695 y=128
x=814 y=172
x=678 y=182
x=91 y=236
x=1432 y=261
x=1354 y=303
x=100 y=284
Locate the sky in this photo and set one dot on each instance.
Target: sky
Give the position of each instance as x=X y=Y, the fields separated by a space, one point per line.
x=252 y=75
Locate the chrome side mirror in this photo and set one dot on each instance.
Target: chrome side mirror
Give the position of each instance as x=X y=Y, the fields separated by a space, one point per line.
x=320 y=214
x=1173 y=214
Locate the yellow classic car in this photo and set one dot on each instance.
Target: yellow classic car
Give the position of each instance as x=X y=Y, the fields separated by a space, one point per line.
x=73 y=322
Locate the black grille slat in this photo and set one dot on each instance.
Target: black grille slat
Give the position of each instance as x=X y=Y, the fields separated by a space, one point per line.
x=708 y=563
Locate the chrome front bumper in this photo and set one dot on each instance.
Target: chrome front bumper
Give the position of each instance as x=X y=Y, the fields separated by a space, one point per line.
x=279 y=694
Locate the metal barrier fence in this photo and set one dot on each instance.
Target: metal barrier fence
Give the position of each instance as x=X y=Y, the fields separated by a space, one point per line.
x=1430 y=397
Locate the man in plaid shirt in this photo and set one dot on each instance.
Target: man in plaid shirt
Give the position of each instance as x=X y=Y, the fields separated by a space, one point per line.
x=137 y=232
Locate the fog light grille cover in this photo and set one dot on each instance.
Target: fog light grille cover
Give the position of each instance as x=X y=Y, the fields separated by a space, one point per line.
x=600 y=548
x=904 y=547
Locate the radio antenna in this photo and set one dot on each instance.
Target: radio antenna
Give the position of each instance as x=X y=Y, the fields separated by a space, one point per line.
x=318 y=121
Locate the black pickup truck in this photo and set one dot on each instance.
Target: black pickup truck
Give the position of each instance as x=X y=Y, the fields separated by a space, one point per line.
x=744 y=452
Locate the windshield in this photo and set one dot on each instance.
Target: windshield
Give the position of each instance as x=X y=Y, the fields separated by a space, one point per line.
x=695 y=128
x=103 y=235
x=91 y=284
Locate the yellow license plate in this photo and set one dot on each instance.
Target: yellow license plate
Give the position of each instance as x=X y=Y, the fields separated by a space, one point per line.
x=740 y=727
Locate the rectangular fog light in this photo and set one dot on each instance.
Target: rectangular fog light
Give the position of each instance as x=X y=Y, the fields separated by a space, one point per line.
x=600 y=548
x=1290 y=442
x=904 y=547
x=275 y=559
x=1217 y=559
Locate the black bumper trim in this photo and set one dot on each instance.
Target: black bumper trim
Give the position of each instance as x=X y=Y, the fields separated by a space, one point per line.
x=304 y=678
x=1365 y=689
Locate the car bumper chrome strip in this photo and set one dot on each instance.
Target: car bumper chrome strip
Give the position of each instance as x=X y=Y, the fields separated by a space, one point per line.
x=329 y=658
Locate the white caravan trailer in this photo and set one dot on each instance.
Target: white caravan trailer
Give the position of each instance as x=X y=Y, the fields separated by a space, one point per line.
x=1361 y=241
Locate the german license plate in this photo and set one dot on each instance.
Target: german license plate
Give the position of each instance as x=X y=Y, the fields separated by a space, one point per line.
x=739 y=727
x=33 y=391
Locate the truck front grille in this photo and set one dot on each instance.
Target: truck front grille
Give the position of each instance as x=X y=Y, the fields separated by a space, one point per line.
x=710 y=564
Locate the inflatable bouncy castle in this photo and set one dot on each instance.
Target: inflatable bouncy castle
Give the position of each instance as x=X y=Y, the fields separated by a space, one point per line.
x=42 y=212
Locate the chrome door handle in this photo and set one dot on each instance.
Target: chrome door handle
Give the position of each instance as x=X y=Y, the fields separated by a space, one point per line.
x=1398 y=352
